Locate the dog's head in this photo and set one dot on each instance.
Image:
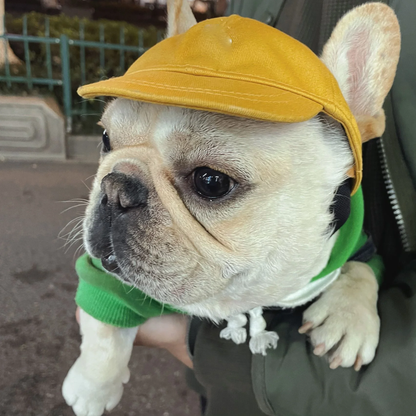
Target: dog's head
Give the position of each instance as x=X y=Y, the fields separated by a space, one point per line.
x=192 y=206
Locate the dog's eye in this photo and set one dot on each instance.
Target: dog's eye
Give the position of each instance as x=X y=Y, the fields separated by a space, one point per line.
x=106 y=142
x=212 y=184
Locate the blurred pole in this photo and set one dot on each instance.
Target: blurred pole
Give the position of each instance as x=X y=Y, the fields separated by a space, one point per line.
x=6 y=53
x=66 y=81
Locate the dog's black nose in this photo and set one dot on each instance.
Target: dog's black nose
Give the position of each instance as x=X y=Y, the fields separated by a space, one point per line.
x=122 y=191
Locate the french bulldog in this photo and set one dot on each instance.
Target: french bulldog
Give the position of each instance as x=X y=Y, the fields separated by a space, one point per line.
x=227 y=248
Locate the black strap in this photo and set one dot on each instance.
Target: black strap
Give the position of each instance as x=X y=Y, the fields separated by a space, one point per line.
x=366 y=252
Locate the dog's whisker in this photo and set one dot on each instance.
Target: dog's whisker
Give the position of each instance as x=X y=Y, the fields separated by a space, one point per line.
x=75 y=219
x=74 y=236
x=89 y=177
x=89 y=189
x=78 y=220
x=67 y=239
x=69 y=244
x=69 y=234
x=78 y=250
x=75 y=200
x=73 y=242
x=74 y=233
x=67 y=248
x=83 y=204
x=131 y=289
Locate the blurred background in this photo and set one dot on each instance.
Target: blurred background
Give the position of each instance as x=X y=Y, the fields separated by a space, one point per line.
x=54 y=46
x=49 y=148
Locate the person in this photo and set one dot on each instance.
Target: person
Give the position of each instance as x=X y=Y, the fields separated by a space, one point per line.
x=291 y=381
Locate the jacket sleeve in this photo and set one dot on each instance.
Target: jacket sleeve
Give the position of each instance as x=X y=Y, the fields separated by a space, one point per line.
x=291 y=381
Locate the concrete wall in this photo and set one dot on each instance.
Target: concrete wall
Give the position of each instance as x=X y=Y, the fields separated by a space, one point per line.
x=31 y=128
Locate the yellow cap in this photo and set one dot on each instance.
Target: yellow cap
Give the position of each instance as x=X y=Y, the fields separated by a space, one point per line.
x=237 y=66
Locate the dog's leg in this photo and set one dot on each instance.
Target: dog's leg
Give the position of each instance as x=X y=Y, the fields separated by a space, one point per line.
x=344 y=321
x=260 y=339
x=95 y=382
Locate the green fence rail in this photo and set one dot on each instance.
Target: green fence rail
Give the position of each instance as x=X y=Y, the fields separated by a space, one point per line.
x=66 y=44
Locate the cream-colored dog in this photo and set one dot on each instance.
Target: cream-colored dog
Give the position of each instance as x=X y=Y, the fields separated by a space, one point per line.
x=255 y=246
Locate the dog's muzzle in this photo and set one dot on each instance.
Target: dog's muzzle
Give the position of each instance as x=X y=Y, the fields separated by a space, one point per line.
x=120 y=194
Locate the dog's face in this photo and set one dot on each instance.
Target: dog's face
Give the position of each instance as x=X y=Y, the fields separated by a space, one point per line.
x=186 y=201
x=191 y=206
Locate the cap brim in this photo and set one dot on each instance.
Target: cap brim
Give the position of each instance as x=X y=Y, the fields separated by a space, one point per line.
x=221 y=95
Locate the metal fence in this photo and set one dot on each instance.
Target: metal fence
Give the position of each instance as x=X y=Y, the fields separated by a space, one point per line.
x=65 y=44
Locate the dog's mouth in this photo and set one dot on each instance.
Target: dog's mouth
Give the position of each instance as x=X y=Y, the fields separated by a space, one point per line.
x=110 y=263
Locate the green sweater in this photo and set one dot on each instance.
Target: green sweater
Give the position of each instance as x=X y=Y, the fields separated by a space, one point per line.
x=109 y=300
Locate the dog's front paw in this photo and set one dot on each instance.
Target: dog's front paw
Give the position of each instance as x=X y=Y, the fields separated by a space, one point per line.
x=344 y=324
x=91 y=397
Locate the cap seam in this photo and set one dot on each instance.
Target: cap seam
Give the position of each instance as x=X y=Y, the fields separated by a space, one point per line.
x=190 y=89
x=209 y=91
x=175 y=67
x=243 y=78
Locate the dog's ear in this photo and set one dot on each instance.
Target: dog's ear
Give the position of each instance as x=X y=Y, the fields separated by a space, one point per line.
x=180 y=17
x=362 y=53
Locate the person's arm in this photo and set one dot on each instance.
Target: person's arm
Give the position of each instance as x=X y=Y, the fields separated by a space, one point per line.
x=168 y=332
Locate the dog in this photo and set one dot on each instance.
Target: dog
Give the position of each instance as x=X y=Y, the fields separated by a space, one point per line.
x=220 y=215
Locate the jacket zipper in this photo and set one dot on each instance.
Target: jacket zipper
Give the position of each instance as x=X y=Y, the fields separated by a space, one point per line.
x=391 y=193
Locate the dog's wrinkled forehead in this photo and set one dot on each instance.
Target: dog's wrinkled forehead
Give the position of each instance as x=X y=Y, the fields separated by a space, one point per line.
x=125 y=122
x=123 y=118
x=182 y=135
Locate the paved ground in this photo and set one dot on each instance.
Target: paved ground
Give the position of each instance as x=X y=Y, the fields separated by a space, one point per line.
x=39 y=338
